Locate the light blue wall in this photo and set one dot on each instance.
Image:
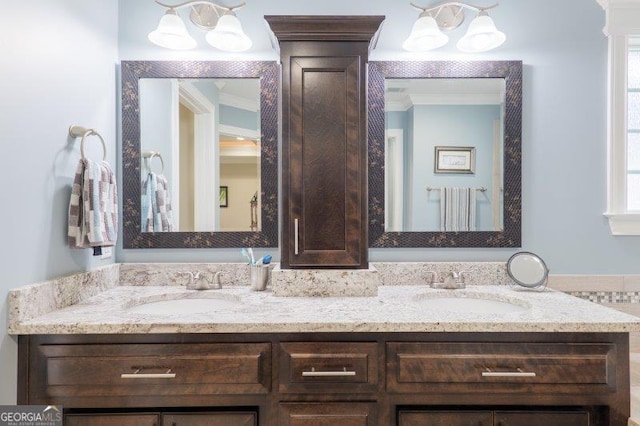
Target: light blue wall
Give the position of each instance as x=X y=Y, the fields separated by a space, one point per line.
x=564 y=120
x=396 y=120
x=451 y=125
x=58 y=68
x=155 y=124
x=237 y=117
x=209 y=89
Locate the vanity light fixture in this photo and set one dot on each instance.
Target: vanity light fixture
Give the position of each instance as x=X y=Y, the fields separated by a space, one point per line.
x=224 y=30
x=426 y=34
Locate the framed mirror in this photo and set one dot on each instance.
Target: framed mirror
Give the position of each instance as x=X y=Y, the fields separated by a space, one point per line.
x=445 y=154
x=200 y=154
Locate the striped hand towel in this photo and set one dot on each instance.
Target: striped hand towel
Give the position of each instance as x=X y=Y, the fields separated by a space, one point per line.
x=93 y=207
x=156 y=210
x=457 y=209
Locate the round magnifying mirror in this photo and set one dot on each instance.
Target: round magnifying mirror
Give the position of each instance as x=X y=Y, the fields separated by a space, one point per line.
x=527 y=269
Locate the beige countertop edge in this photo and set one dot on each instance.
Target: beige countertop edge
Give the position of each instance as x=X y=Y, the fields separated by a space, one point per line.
x=443 y=327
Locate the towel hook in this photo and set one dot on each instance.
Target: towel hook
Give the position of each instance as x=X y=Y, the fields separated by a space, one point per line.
x=76 y=131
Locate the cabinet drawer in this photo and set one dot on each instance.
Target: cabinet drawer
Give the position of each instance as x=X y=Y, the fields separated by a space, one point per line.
x=508 y=367
x=490 y=418
x=209 y=419
x=111 y=420
x=546 y=418
x=154 y=369
x=445 y=418
x=328 y=414
x=328 y=367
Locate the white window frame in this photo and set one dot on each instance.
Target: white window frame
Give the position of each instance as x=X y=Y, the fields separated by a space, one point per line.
x=622 y=21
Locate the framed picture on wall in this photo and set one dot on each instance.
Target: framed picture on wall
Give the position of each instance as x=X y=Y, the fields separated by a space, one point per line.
x=455 y=159
x=224 y=196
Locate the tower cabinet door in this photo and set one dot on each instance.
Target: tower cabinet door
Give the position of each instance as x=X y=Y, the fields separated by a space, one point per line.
x=325 y=160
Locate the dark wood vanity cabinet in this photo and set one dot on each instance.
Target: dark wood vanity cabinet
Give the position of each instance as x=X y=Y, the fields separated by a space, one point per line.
x=327 y=379
x=324 y=139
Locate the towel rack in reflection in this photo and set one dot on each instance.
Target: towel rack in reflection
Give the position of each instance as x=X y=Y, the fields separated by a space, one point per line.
x=481 y=189
x=149 y=155
x=76 y=131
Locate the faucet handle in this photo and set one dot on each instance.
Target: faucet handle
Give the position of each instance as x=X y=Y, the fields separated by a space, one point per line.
x=461 y=276
x=193 y=278
x=216 y=280
x=434 y=276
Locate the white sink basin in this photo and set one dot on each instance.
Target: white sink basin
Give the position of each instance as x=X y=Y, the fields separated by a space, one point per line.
x=471 y=303
x=183 y=304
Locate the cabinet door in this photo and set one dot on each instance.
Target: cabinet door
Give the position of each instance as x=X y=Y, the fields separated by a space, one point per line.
x=111 y=420
x=328 y=414
x=326 y=163
x=445 y=418
x=546 y=418
x=209 y=419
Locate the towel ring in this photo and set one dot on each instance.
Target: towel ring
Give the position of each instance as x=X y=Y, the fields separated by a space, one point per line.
x=77 y=131
x=148 y=157
x=157 y=154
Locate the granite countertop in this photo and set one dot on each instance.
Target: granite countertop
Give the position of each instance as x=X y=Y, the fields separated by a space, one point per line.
x=394 y=309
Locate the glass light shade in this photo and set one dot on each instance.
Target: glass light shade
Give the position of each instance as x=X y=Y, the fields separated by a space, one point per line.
x=481 y=36
x=228 y=35
x=425 y=35
x=172 y=33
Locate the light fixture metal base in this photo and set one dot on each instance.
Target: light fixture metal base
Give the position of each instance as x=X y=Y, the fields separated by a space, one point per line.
x=449 y=17
x=205 y=16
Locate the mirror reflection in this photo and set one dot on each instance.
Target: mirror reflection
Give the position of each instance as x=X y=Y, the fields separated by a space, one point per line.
x=201 y=154
x=444 y=141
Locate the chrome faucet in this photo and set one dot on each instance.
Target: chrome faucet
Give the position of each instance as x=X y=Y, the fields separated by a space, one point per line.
x=452 y=281
x=195 y=283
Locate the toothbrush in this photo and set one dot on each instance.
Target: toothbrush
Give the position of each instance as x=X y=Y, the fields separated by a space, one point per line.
x=253 y=259
x=264 y=260
x=245 y=253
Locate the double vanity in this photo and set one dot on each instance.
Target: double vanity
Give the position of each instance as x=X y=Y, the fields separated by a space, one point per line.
x=136 y=354
x=130 y=345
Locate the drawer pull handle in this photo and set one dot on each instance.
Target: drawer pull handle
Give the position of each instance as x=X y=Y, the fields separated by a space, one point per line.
x=517 y=373
x=314 y=373
x=138 y=375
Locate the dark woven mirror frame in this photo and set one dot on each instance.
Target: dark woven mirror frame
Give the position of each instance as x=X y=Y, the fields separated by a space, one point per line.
x=131 y=73
x=511 y=71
